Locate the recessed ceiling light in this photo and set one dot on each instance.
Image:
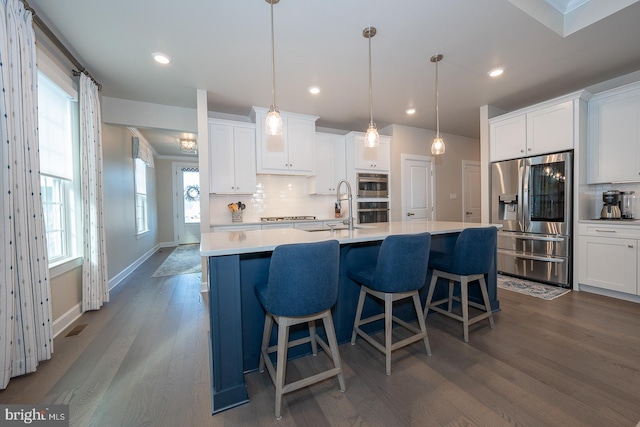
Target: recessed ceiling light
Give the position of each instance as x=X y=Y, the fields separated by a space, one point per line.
x=314 y=90
x=411 y=111
x=496 y=72
x=161 y=58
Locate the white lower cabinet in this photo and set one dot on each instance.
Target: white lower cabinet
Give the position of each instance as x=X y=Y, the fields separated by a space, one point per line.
x=608 y=257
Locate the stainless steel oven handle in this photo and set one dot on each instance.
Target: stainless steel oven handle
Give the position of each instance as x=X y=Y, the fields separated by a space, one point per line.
x=532 y=257
x=373 y=210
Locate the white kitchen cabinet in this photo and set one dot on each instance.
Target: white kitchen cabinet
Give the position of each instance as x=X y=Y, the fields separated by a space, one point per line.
x=508 y=137
x=374 y=159
x=292 y=152
x=608 y=257
x=540 y=129
x=330 y=163
x=232 y=168
x=614 y=136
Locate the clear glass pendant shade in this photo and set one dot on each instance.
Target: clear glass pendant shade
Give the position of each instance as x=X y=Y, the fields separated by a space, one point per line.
x=273 y=125
x=372 y=138
x=437 y=147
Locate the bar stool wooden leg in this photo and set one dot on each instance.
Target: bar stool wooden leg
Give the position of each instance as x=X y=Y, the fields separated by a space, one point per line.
x=421 y=322
x=281 y=368
x=388 y=325
x=432 y=287
x=464 y=302
x=266 y=335
x=333 y=345
x=356 y=323
x=485 y=298
x=312 y=337
x=450 y=306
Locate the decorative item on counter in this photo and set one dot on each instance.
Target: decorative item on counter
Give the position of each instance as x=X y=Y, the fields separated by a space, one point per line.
x=236 y=211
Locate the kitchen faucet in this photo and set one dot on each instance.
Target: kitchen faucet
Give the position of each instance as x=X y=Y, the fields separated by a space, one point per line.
x=348 y=221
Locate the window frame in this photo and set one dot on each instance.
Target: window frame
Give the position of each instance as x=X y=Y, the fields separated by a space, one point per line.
x=141 y=198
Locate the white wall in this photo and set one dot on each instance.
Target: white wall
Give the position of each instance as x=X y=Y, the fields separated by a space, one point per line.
x=448 y=167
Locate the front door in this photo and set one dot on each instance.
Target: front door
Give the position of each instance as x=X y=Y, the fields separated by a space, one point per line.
x=187 y=203
x=417 y=188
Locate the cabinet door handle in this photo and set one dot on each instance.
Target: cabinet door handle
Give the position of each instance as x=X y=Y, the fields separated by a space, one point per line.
x=605 y=231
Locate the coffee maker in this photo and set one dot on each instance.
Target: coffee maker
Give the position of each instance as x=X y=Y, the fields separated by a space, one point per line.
x=611 y=205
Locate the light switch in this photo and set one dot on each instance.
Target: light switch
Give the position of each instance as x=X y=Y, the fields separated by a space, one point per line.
x=453 y=196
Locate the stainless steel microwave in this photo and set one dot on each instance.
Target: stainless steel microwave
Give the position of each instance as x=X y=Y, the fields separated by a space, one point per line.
x=372 y=185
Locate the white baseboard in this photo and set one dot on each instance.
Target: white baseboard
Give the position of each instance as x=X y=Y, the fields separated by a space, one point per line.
x=62 y=322
x=609 y=293
x=118 y=278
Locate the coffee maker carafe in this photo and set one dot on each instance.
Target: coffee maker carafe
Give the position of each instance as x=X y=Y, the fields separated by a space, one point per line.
x=611 y=205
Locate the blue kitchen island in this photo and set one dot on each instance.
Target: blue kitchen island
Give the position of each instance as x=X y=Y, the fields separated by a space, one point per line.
x=239 y=260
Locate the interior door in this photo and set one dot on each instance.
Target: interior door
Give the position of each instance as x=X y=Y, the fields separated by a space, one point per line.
x=187 y=203
x=471 y=197
x=417 y=188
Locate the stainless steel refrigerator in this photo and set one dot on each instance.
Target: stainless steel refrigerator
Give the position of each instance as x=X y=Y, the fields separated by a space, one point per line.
x=532 y=199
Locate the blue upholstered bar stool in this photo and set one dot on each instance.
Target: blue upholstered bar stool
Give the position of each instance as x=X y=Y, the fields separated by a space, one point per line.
x=400 y=271
x=471 y=259
x=302 y=288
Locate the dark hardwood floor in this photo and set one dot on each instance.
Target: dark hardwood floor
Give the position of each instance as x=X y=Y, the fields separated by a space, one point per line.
x=142 y=360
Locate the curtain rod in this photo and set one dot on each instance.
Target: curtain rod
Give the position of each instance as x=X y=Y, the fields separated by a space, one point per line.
x=56 y=41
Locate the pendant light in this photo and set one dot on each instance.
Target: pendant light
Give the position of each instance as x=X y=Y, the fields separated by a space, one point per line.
x=437 y=147
x=371 y=138
x=273 y=124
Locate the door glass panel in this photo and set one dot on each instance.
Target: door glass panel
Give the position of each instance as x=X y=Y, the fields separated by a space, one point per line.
x=547 y=192
x=191 y=192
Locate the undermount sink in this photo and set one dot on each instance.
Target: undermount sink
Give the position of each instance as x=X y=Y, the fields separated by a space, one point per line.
x=342 y=227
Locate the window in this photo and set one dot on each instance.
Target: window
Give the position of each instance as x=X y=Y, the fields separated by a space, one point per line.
x=142 y=220
x=57 y=127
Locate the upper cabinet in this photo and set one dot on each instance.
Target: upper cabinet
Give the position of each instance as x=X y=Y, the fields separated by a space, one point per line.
x=290 y=153
x=376 y=159
x=540 y=129
x=614 y=136
x=232 y=167
x=330 y=162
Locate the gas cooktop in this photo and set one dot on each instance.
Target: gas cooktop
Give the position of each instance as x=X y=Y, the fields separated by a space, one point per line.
x=286 y=218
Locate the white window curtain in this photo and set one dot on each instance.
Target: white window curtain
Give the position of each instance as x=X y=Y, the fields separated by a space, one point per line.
x=95 y=285
x=26 y=333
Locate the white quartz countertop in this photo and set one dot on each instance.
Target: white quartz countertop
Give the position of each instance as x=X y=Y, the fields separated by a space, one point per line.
x=244 y=242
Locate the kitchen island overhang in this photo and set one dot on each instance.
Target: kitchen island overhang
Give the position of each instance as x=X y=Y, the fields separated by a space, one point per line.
x=238 y=260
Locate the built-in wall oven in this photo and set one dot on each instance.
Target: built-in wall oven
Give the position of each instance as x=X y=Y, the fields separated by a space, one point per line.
x=372 y=185
x=531 y=198
x=369 y=212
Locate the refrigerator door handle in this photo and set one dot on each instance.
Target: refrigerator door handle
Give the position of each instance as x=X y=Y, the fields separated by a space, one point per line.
x=521 y=196
x=526 y=215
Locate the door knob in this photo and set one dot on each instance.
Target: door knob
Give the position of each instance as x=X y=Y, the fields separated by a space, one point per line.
x=410 y=214
x=469 y=213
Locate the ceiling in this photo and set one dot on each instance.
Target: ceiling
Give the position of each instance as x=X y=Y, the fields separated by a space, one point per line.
x=225 y=48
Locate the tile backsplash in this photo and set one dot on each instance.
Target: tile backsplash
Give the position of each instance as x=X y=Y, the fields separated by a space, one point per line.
x=274 y=196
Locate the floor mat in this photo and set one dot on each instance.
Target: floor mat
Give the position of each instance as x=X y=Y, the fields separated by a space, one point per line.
x=527 y=287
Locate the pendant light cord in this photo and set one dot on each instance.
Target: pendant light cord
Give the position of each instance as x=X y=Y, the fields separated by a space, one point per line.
x=273 y=59
x=437 y=108
x=370 y=83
